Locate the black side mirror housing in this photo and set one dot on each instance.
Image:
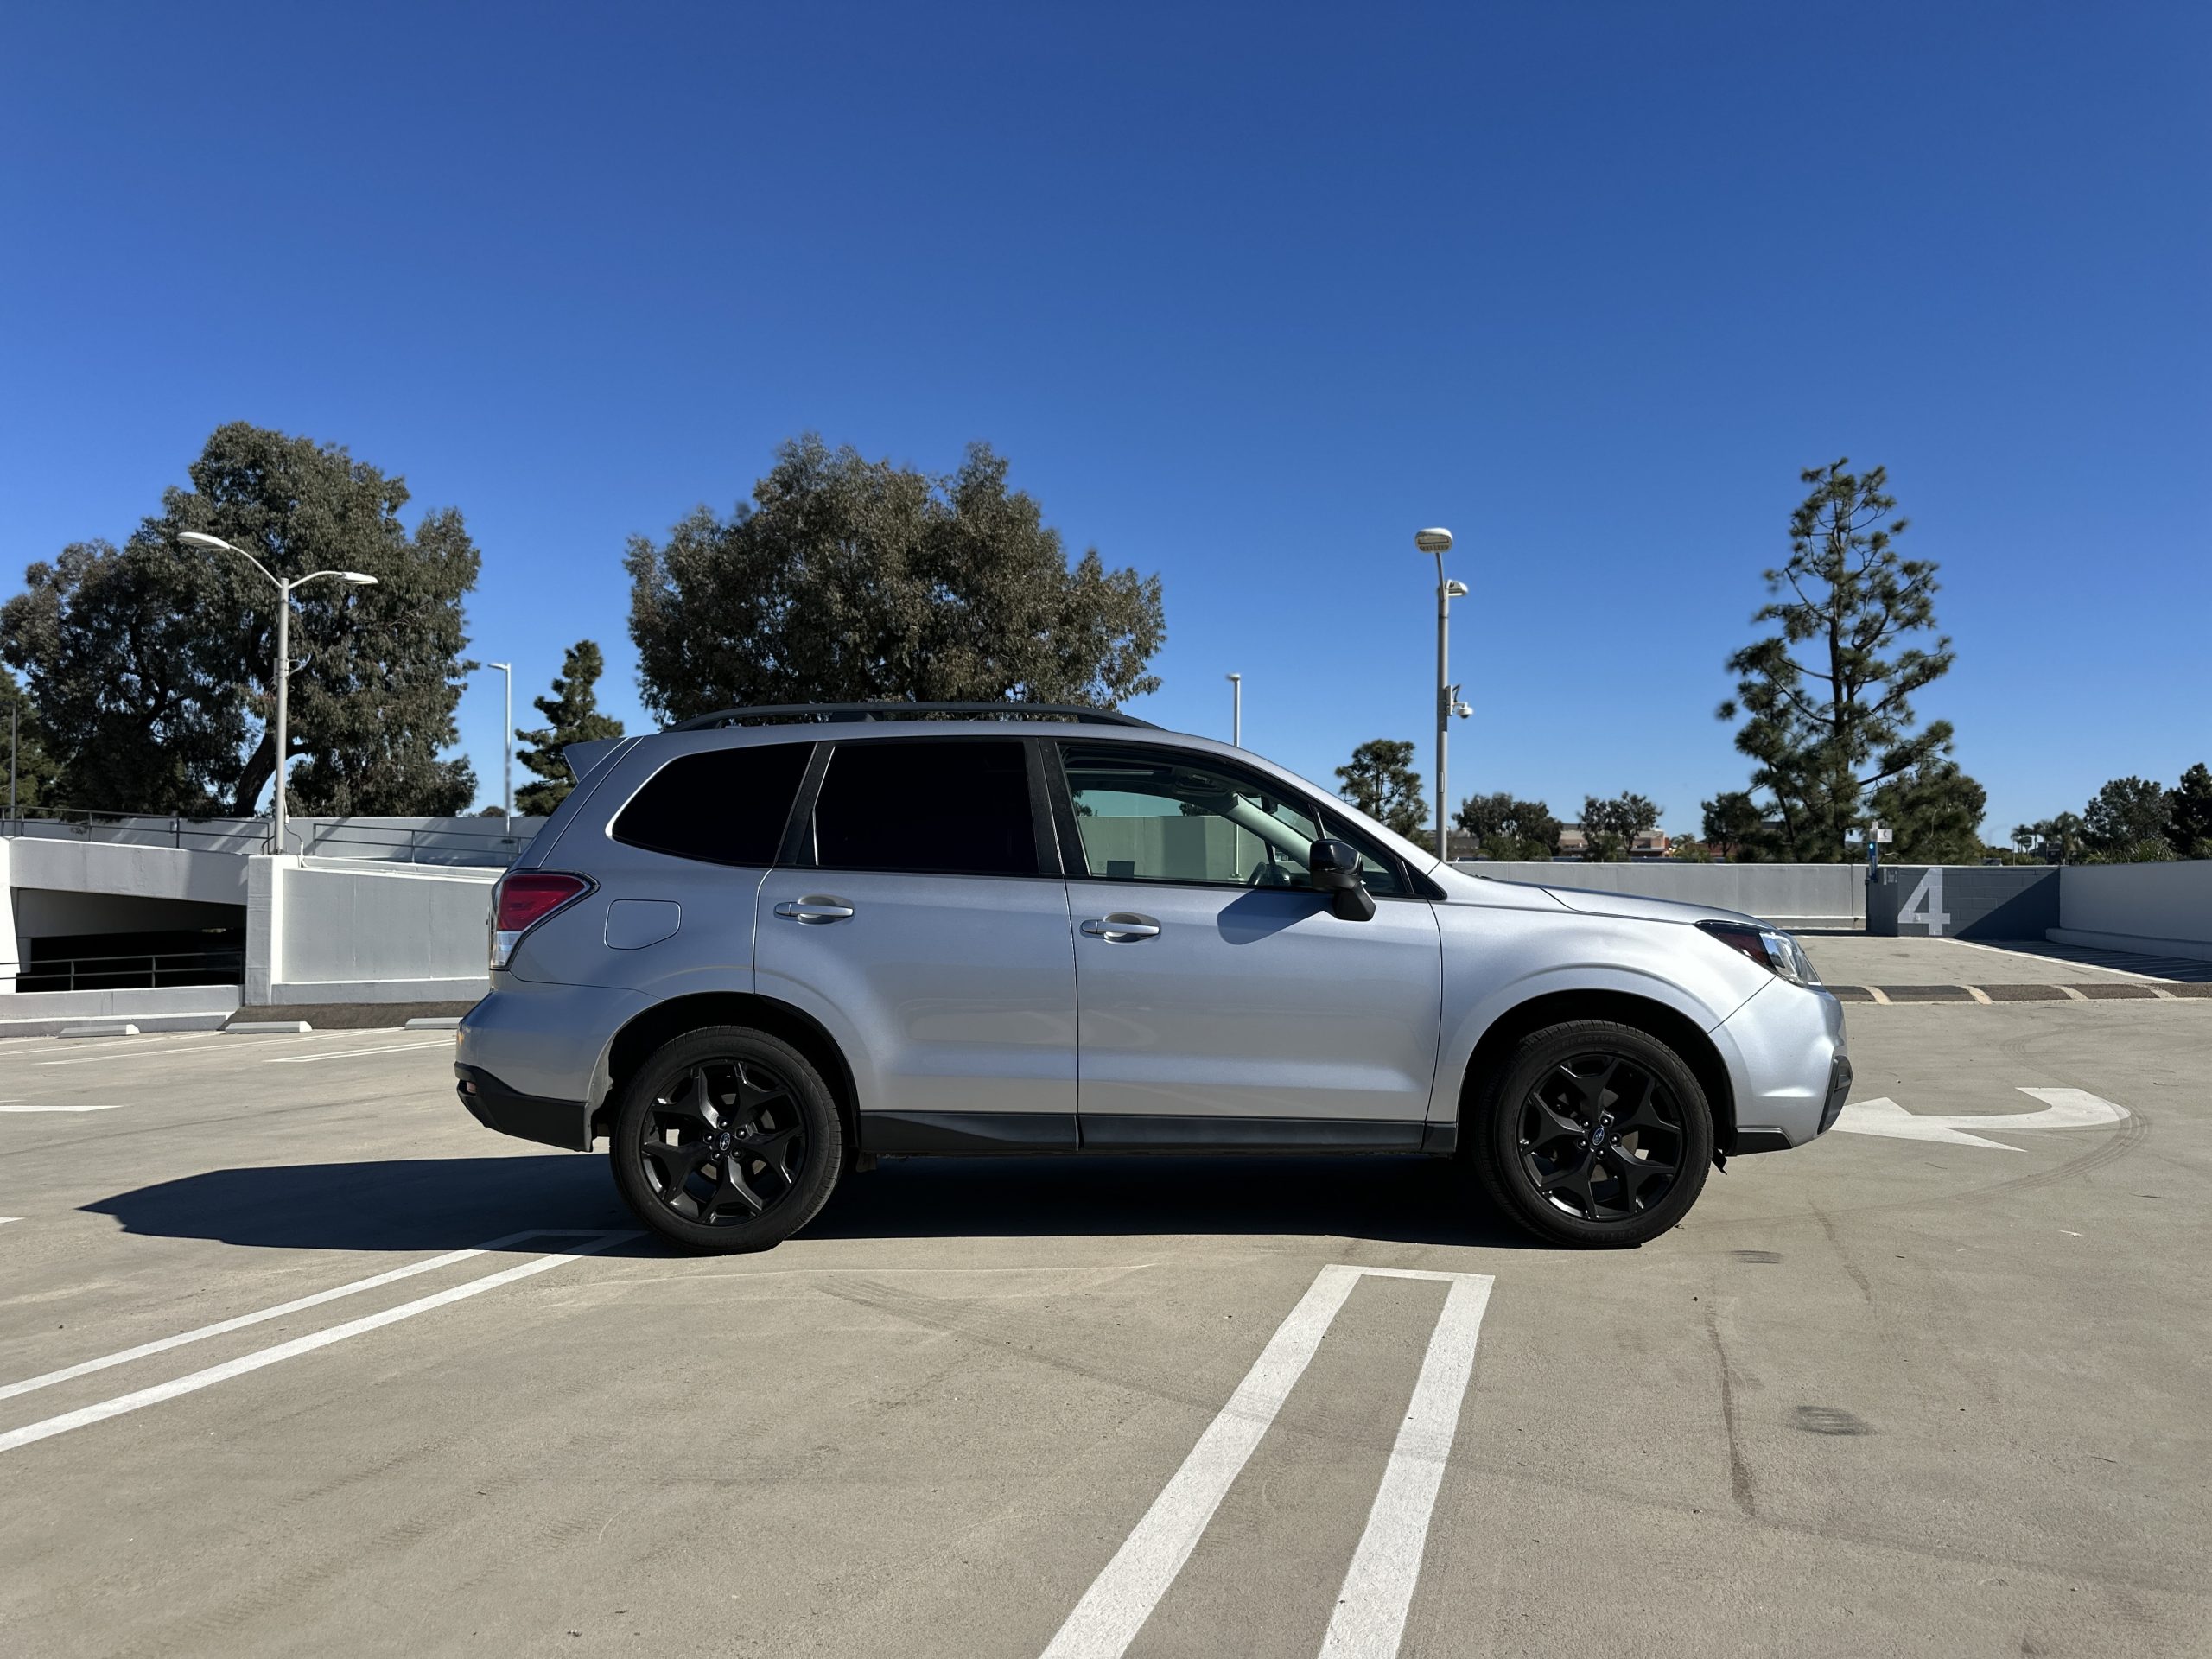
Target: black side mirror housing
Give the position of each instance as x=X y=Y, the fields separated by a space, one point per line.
x=1335 y=869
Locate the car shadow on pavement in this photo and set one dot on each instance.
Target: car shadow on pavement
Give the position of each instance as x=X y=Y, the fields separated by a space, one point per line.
x=1407 y=1200
x=449 y=1203
x=393 y=1204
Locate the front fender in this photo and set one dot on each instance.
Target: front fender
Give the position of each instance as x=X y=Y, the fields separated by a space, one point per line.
x=1494 y=965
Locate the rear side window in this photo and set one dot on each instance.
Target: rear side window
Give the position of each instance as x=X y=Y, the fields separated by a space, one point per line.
x=723 y=806
x=956 y=806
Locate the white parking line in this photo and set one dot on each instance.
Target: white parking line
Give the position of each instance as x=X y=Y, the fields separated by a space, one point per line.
x=29 y=1385
x=194 y=1051
x=244 y=1363
x=31 y=1106
x=349 y=1053
x=1378 y=1588
x=1122 y=1597
x=83 y=1045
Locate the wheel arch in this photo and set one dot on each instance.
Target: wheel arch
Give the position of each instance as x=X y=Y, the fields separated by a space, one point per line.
x=1654 y=1018
x=647 y=1030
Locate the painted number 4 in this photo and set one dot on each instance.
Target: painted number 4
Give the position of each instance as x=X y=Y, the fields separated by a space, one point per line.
x=1925 y=907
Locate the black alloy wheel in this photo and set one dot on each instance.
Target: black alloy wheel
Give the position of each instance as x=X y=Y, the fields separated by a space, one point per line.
x=1601 y=1137
x=727 y=1141
x=724 y=1143
x=1592 y=1133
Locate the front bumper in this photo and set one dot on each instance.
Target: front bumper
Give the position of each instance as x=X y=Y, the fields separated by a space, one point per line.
x=564 y=1124
x=1790 y=1066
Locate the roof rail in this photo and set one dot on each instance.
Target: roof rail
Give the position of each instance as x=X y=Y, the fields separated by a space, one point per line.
x=775 y=714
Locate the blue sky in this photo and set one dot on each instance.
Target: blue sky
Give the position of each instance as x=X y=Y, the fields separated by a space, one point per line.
x=1246 y=295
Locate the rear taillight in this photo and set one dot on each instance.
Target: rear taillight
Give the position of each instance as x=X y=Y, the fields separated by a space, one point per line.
x=525 y=898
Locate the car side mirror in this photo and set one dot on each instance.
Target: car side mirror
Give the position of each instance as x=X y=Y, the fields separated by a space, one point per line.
x=1334 y=865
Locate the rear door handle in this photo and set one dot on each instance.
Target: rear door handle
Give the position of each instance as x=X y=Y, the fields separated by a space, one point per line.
x=1123 y=924
x=815 y=907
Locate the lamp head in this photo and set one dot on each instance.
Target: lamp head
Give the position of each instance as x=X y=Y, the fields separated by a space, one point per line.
x=1438 y=540
x=200 y=538
x=357 y=579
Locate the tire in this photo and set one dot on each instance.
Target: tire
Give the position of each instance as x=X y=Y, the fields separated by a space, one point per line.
x=1562 y=1089
x=727 y=1141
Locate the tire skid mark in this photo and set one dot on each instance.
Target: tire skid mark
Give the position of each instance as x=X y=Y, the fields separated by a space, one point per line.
x=1843 y=1255
x=1739 y=1472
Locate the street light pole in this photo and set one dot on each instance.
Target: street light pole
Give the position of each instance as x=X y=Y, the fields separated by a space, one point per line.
x=508 y=797
x=284 y=708
x=1236 y=710
x=1439 y=542
x=284 y=591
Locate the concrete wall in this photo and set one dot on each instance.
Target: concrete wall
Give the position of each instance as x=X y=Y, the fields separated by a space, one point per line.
x=429 y=840
x=2159 y=909
x=185 y=1007
x=128 y=871
x=1965 y=901
x=323 y=932
x=417 y=841
x=1795 y=895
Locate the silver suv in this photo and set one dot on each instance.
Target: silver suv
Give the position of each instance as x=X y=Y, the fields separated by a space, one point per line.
x=770 y=946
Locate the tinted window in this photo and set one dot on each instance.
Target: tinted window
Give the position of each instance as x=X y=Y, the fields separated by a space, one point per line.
x=956 y=805
x=727 y=806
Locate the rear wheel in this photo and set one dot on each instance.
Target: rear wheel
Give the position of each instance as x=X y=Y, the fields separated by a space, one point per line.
x=727 y=1141
x=1594 y=1133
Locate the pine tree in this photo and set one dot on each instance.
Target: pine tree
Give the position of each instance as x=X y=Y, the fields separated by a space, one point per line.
x=572 y=715
x=1827 y=701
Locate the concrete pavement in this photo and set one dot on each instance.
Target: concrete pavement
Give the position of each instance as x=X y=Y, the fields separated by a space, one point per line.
x=1874 y=1397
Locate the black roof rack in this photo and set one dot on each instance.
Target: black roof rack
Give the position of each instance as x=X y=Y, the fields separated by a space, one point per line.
x=774 y=714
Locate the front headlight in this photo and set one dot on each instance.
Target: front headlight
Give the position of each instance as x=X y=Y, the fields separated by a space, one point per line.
x=1769 y=947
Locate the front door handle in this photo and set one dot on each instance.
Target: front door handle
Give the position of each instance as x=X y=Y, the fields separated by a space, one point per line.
x=815 y=907
x=1123 y=924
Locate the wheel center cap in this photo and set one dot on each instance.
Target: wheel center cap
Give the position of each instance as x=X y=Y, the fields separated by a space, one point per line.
x=722 y=1141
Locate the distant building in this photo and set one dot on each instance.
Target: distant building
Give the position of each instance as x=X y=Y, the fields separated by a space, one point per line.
x=1574 y=843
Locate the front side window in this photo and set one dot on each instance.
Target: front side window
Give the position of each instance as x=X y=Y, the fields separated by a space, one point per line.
x=721 y=806
x=1149 y=815
x=1380 y=874
x=954 y=806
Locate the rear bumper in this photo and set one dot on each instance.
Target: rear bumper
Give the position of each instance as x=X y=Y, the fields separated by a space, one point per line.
x=564 y=1124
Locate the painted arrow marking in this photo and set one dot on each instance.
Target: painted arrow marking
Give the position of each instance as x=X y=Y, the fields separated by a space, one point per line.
x=2064 y=1109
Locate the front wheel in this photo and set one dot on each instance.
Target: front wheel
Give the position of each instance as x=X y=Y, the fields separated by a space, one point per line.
x=727 y=1141
x=1594 y=1133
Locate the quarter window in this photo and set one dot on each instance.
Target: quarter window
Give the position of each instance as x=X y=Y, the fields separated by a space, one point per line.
x=956 y=806
x=724 y=806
